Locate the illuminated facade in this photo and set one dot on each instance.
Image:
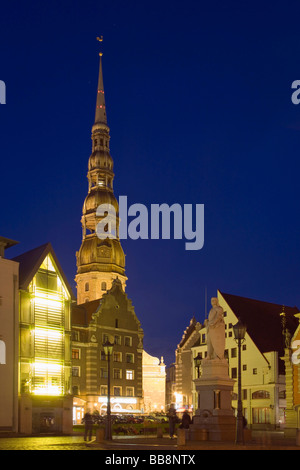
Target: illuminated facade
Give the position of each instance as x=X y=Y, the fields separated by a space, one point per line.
x=182 y=392
x=99 y=261
x=9 y=321
x=263 y=374
x=291 y=360
x=154 y=384
x=112 y=318
x=44 y=344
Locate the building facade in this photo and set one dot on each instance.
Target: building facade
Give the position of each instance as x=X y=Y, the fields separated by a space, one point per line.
x=111 y=318
x=154 y=384
x=183 y=393
x=44 y=369
x=263 y=375
x=9 y=329
x=291 y=361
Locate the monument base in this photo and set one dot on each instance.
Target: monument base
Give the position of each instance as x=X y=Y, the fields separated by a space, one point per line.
x=214 y=419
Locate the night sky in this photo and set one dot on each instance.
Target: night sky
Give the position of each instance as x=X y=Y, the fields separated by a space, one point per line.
x=198 y=98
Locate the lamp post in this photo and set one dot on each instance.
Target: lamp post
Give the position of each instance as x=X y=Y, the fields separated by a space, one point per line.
x=239 y=331
x=108 y=348
x=197 y=361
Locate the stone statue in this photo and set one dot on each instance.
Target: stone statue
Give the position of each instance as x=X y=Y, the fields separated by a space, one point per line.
x=215 y=326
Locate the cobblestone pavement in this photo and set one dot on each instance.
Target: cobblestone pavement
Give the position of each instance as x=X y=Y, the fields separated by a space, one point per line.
x=44 y=443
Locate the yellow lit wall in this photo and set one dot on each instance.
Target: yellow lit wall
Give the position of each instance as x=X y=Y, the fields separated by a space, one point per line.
x=45 y=367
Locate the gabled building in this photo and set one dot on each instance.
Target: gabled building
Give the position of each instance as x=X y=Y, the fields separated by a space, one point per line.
x=154 y=384
x=182 y=393
x=263 y=374
x=44 y=364
x=112 y=317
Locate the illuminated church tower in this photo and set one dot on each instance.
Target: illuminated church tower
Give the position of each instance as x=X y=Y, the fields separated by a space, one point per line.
x=99 y=261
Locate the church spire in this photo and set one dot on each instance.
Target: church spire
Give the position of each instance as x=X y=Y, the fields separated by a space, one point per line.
x=99 y=262
x=100 y=115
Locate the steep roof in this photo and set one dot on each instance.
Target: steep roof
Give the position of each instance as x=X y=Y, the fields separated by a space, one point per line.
x=188 y=332
x=263 y=321
x=30 y=262
x=82 y=314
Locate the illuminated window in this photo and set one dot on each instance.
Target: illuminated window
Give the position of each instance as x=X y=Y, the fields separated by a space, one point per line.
x=75 y=354
x=129 y=374
x=261 y=415
x=50 y=310
x=260 y=394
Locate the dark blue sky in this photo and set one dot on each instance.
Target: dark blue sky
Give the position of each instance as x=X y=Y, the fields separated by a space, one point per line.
x=198 y=98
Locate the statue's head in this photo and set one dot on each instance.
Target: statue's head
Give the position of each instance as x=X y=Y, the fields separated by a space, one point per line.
x=214 y=301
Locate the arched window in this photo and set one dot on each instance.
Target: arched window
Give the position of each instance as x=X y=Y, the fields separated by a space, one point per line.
x=103 y=285
x=2 y=352
x=260 y=394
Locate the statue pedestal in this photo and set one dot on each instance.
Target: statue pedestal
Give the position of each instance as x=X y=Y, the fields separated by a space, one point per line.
x=214 y=416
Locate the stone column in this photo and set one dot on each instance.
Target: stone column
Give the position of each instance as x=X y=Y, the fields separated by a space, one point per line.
x=215 y=414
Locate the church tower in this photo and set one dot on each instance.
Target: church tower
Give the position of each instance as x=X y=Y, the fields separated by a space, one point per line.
x=99 y=261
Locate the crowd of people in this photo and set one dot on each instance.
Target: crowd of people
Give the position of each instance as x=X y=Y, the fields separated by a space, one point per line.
x=171 y=417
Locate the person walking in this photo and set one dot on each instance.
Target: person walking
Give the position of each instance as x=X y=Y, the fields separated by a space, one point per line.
x=88 y=426
x=172 y=420
x=186 y=420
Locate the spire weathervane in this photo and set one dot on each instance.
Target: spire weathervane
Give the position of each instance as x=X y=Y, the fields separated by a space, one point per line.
x=100 y=39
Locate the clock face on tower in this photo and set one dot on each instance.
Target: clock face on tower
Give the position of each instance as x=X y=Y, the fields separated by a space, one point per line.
x=104 y=251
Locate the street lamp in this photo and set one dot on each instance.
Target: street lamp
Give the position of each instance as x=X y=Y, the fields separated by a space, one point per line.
x=108 y=349
x=239 y=331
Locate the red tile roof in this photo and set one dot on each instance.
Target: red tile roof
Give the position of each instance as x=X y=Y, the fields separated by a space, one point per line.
x=263 y=321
